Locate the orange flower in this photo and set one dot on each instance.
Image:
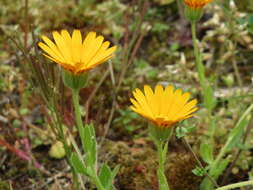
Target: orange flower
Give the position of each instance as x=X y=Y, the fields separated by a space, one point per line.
x=73 y=53
x=163 y=107
x=196 y=4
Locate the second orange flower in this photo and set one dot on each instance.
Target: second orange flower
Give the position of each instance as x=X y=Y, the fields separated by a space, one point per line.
x=164 y=106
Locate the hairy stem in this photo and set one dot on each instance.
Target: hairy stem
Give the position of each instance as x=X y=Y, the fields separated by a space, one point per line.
x=78 y=117
x=163 y=184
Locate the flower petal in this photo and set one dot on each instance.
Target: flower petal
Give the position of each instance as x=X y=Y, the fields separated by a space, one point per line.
x=63 y=47
x=76 y=46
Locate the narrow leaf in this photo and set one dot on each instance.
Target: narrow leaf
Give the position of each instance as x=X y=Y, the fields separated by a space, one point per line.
x=105 y=176
x=206 y=153
x=77 y=164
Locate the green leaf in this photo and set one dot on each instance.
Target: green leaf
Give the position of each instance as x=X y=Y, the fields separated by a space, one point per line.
x=89 y=143
x=236 y=133
x=115 y=171
x=250 y=23
x=234 y=137
x=206 y=152
x=107 y=176
x=77 y=164
x=199 y=171
x=182 y=131
x=216 y=172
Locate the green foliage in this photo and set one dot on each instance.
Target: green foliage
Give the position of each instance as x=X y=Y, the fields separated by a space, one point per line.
x=250 y=23
x=206 y=152
x=144 y=69
x=184 y=129
x=78 y=165
x=209 y=99
x=236 y=133
x=159 y=27
x=219 y=164
x=164 y=2
x=199 y=171
x=106 y=176
x=126 y=119
x=89 y=143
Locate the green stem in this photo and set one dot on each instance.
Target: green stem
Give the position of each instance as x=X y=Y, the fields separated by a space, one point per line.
x=202 y=80
x=207 y=91
x=160 y=156
x=78 y=117
x=236 y=185
x=66 y=147
x=163 y=184
x=200 y=67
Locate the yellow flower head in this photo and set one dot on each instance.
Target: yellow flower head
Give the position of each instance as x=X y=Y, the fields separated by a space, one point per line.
x=196 y=4
x=163 y=107
x=73 y=53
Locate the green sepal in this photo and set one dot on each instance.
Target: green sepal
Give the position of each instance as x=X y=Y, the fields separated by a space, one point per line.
x=193 y=14
x=160 y=134
x=74 y=81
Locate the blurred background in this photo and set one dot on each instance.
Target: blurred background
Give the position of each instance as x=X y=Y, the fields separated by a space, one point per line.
x=154 y=46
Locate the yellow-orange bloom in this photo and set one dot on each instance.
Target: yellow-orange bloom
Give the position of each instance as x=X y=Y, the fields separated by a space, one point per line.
x=165 y=106
x=73 y=53
x=196 y=4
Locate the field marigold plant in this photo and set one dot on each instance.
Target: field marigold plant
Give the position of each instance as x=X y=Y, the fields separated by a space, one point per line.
x=165 y=106
x=75 y=54
x=196 y=4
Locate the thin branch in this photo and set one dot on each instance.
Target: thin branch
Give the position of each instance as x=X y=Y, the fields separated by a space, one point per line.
x=92 y=95
x=199 y=163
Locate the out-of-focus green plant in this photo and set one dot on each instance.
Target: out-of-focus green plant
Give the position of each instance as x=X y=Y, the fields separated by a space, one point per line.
x=216 y=165
x=250 y=23
x=125 y=118
x=164 y=2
